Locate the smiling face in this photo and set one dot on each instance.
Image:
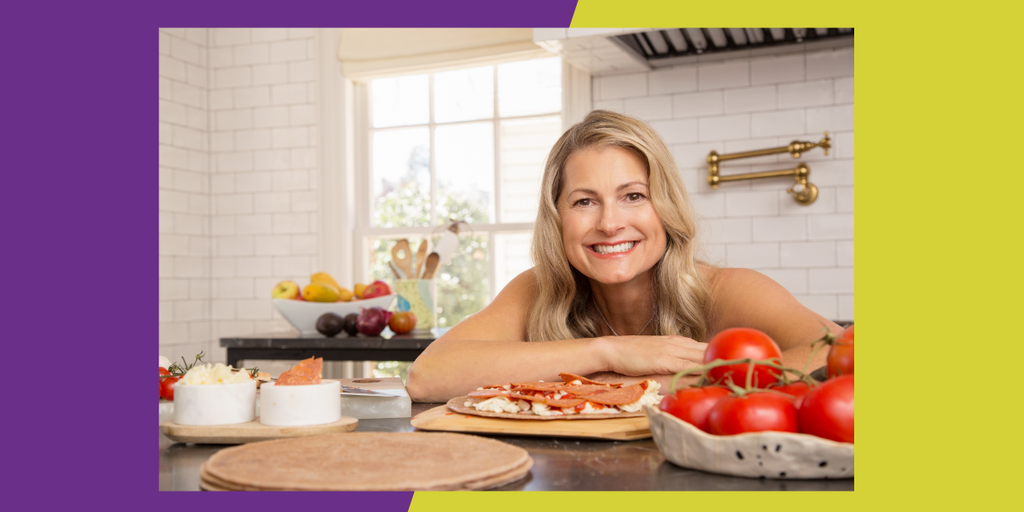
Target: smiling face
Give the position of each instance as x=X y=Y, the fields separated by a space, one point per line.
x=609 y=227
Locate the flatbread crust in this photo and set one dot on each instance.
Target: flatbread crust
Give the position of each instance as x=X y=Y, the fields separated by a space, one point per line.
x=368 y=461
x=307 y=372
x=457 y=404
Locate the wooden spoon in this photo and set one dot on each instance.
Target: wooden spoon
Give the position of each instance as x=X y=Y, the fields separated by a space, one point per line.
x=402 y=256
x=431 y=267
x=421 y=254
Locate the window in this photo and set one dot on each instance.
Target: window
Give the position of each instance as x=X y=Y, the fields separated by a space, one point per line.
x=467 y=144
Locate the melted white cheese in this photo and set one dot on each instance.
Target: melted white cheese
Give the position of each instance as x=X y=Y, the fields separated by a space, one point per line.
x=650 y=397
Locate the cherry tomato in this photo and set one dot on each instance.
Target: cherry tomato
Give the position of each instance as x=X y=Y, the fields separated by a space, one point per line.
x=827 y=411
x=693 y=404
x=402 y=322
x=797 y=390
x=163 y=371
x=753 y=412
x=742 y=343
x=840 y=355
x=167 y=387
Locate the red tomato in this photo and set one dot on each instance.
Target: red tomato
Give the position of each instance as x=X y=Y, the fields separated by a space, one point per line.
x=753 y=412
x=742 y=343
x=796 y=389
x=163 y=371
x=402 y=322
x=167 y=387
x=693 y=404
x=840 y=355
x=827 y=411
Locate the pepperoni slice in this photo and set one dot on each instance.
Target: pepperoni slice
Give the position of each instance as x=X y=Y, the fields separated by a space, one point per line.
x=569 y=377
x=564 y=402
x=538 y=386
x=616 y=396
x=528 y=396
x=553 y=402
x=586 y=389
x=305 y=373
x=486 y=393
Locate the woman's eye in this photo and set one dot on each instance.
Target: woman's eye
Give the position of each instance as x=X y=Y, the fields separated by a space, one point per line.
x=635 y=196
x=582 y=202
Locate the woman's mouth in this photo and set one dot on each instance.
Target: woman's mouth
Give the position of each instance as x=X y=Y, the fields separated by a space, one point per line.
x=613 y=249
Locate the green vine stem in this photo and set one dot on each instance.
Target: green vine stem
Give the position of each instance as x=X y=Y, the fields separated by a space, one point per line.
x=728 y=382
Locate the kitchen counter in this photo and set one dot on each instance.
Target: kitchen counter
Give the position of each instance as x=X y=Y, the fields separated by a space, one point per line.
x=560 y=464
x=295 y=347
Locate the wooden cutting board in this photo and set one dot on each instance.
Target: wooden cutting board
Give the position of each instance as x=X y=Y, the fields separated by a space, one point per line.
x=619 y=429
x=248 y=432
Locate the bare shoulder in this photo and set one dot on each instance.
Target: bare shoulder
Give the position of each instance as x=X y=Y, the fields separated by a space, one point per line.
x=726 y=281
x=747 y=298
x=505 y=317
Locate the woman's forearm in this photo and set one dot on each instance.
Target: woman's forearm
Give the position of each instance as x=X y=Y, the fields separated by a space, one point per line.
x=449 y=368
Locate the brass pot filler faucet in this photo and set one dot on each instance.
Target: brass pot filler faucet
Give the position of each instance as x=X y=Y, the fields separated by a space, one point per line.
x=804 y=192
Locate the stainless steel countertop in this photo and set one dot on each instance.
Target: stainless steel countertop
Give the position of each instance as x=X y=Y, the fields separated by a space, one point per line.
x=560 y=464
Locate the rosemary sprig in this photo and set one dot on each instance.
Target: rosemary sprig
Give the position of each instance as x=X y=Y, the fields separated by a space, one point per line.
x=178 y=370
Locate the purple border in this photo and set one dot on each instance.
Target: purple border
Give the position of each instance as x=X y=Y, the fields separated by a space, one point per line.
x=79 y=223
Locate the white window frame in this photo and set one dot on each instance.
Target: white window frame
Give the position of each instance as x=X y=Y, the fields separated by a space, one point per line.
x=364 y=231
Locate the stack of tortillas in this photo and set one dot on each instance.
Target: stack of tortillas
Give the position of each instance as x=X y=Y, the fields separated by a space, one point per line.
x=367 y=461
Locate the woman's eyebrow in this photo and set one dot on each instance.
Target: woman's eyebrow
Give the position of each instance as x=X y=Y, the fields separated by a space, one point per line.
x=630 y=184
x=619 y=188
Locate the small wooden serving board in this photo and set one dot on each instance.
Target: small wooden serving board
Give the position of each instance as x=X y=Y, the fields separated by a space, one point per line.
x=252 y=431
x=619 y=429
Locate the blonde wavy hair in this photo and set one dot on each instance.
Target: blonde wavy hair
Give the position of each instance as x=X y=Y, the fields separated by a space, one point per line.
x=563 y=293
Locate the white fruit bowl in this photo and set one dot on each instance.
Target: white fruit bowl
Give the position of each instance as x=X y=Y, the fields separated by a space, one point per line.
x=779 y=455
x=304 y=314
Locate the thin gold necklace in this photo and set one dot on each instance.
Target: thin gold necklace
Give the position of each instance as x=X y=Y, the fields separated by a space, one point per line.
x=610 y=325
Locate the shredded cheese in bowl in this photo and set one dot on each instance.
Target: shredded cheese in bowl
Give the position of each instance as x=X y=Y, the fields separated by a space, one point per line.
x=206 y=374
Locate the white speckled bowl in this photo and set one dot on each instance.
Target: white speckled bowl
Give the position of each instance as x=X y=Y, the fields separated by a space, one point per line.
x=304 y=314
x=215 y=404
x=756 y=455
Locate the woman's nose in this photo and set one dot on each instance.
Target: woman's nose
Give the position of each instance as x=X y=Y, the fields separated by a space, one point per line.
x=610 y=221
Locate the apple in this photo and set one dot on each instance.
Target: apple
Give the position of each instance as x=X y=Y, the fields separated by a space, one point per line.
x=376 y=289
x=286 y=290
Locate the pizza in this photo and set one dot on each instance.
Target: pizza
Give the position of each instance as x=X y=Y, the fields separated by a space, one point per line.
x=308 y=371
x=575 y=398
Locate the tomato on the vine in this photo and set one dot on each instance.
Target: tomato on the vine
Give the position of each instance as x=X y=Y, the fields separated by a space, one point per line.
x=840 y=355
x=827 y=411
x=167 y=387
x=693 y=404
x=753 y=412
x=797 y=390
x=163 y=371
x=743 y=343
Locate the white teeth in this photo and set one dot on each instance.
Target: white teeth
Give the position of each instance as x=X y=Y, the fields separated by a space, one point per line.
x=611 y=249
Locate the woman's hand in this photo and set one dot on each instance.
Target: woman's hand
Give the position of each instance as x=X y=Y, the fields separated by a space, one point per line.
x=650 y=355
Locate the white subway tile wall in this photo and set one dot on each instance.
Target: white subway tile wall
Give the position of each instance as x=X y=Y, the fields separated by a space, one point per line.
x=755 y=103
x=238 y=193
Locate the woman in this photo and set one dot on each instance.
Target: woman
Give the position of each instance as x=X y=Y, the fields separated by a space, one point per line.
x=617 y=292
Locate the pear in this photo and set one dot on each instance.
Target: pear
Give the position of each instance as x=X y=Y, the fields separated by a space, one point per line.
x=320 y=292
x=344 y=294
x=325 y=278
